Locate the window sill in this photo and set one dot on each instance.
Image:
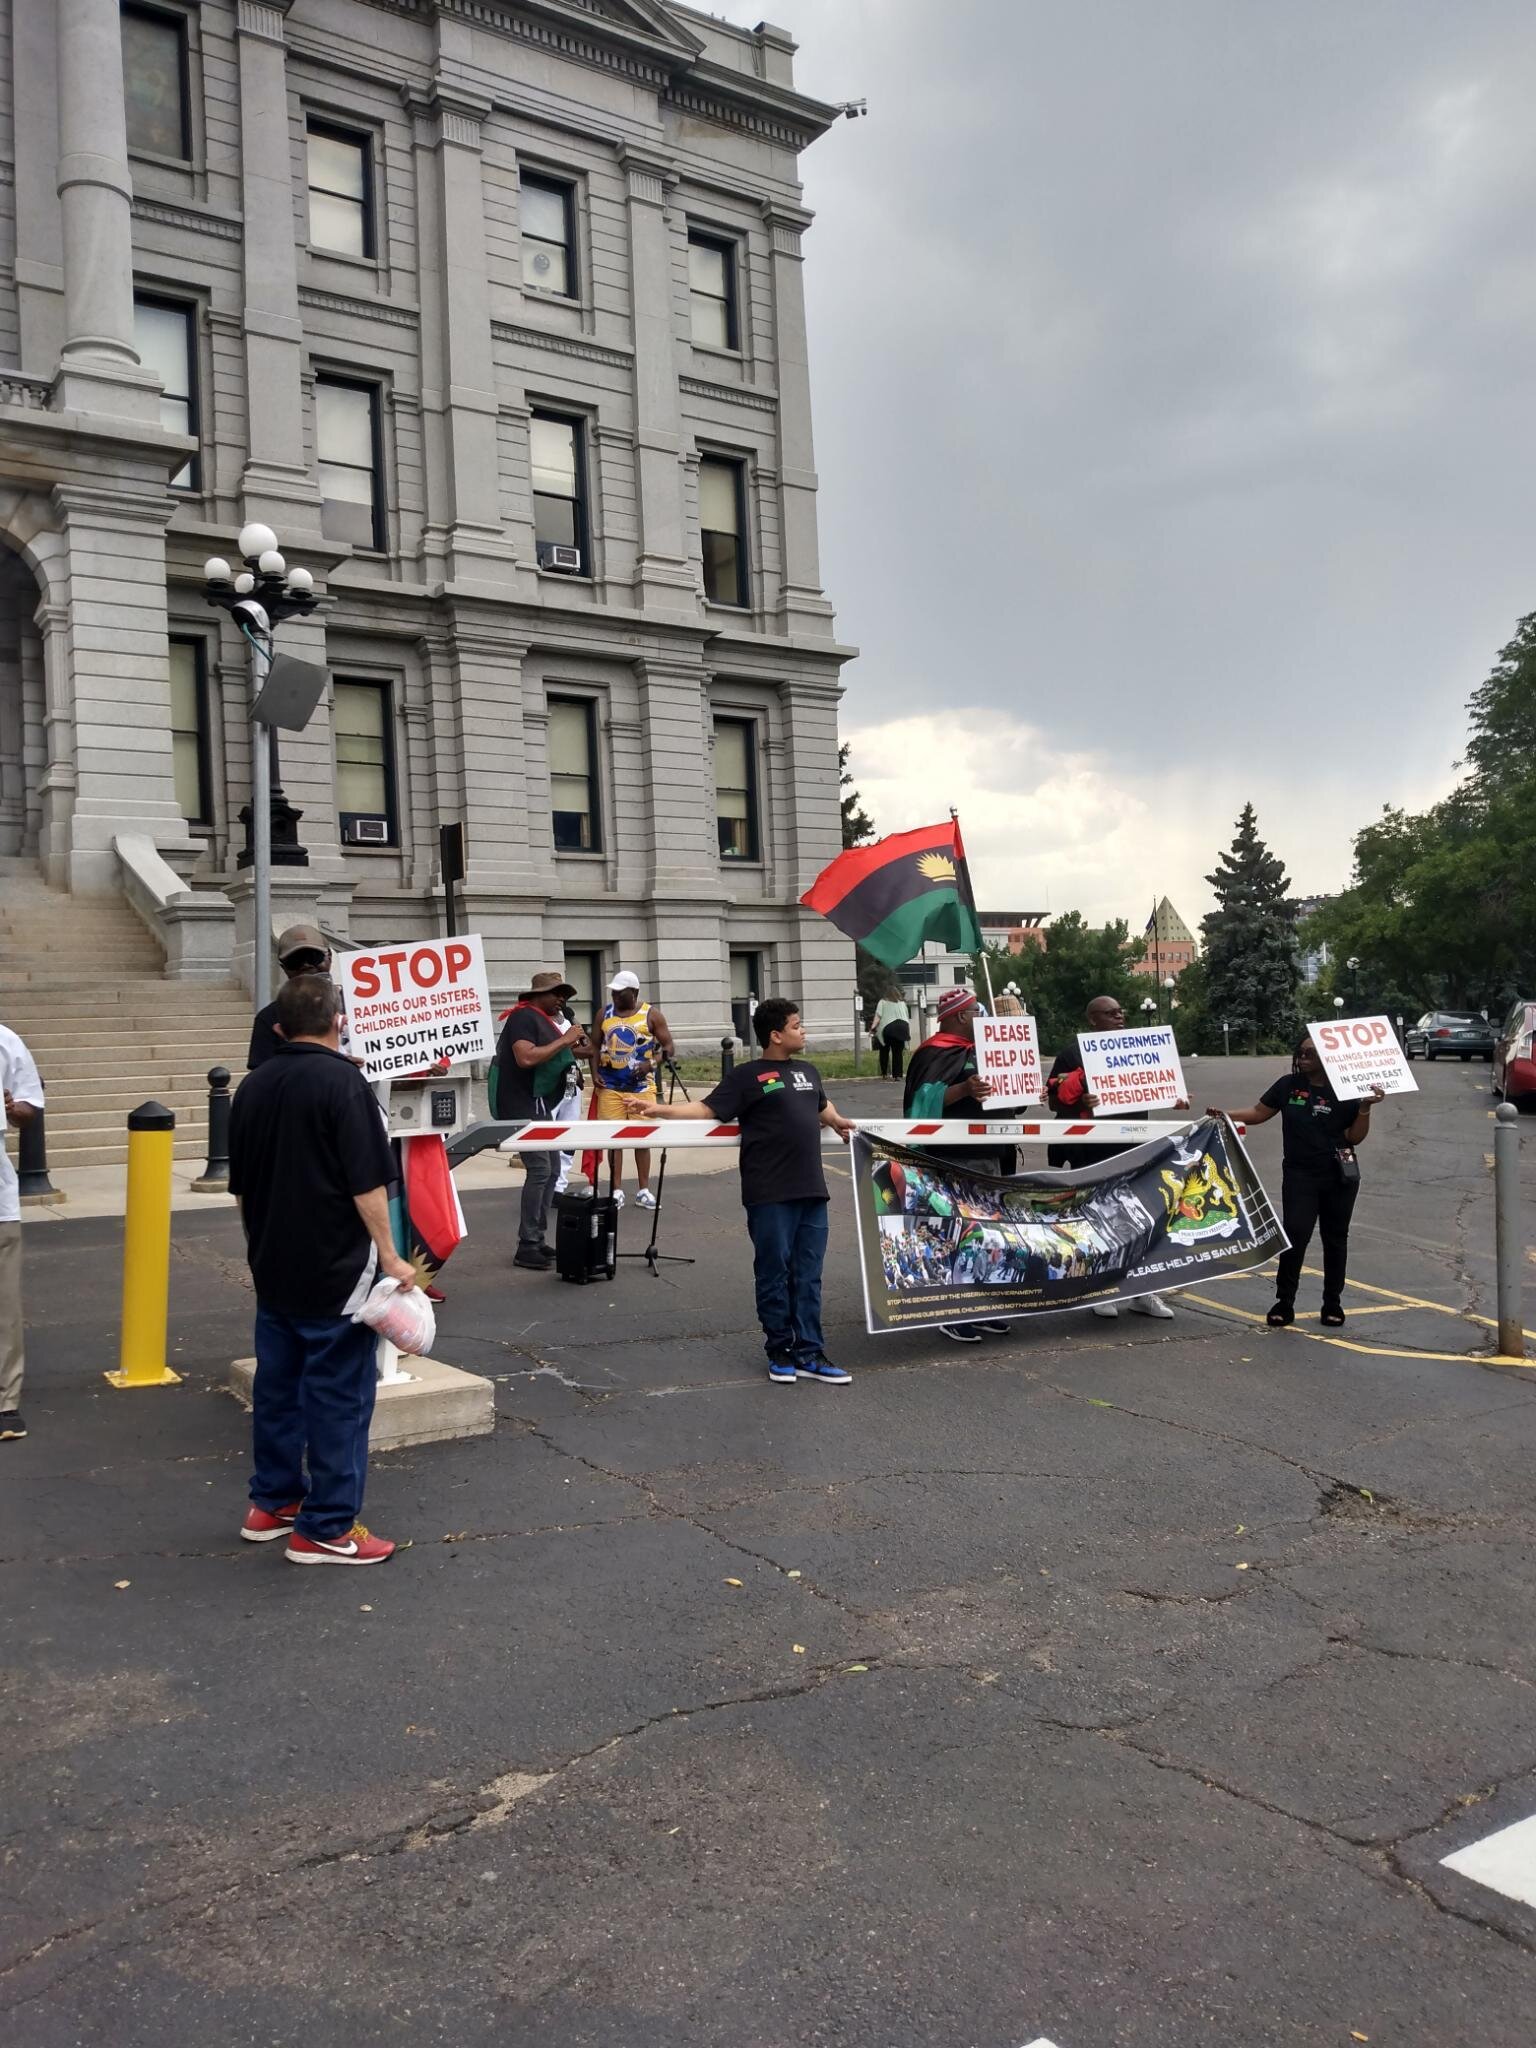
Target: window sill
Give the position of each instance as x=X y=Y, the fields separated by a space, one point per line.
x=580 y=853
x=187 y=164
x=541 y=297
x=372 y=850
x=370 y=264
x=713 y=348
x=564 y=576
x=728 y=866
x=715 y=604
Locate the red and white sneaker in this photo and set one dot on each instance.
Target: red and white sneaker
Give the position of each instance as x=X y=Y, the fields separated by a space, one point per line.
x=261 y=1527
x=356 y=1547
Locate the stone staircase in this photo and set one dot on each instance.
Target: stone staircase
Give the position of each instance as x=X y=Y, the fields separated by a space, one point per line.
x=82 y=981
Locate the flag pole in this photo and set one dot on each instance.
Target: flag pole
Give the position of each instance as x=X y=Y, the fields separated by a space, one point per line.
x=986 y=965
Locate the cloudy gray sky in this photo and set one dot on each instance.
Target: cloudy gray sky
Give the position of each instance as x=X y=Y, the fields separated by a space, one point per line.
x=1175 y=379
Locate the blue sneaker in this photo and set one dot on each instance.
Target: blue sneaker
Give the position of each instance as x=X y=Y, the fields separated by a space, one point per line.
x=782 y=1370
x=824 y=1369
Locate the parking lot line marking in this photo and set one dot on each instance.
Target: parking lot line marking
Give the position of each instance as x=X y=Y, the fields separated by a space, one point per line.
x=1444 y=1308
x=1247 y=1315
x=1504 y=1861
x=1384 y=1308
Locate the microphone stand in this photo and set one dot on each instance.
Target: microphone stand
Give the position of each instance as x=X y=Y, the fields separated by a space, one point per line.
x=651 y=1255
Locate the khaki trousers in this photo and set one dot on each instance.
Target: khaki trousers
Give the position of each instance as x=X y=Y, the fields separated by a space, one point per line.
x=10 y=1317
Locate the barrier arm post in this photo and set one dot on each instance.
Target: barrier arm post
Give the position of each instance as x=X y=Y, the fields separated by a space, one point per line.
x=147 y=1250
x=1508 y=1251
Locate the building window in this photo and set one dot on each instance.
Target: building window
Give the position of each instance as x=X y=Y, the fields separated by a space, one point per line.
x=722 y=529
x=189 y=730
x=712 y=290
x=549 y=234
x=347 y=443
x=572 y=774
x=736 y=788
x=365 y=761
x=165 y=336
x=584 y=971
x=156 y=91
x=340 y=190
x=747 y=991
x=559 y=488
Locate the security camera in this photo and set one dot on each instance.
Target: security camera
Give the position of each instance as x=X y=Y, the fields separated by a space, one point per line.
x=249 y=613
x=852 y=109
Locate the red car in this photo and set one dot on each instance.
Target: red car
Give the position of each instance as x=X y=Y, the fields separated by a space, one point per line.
x=1514 y=1068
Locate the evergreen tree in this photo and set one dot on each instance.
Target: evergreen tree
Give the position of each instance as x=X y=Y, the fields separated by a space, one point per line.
x=1250 y=944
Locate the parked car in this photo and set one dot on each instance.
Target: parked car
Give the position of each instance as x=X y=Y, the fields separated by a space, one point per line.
x=1514 y=1070
x=1443 y=1034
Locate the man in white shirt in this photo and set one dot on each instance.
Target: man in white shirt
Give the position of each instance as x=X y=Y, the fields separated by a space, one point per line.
x=23 y=1099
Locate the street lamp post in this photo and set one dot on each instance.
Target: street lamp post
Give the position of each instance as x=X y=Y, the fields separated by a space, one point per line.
x=1353 y=964
x=1148 y=1005
x=1170 y=985
x=1338 y=1002
x=265 y=593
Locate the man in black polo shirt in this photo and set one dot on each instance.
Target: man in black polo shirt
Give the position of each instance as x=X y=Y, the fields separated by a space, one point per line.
x=781 y=1106
x=310 y=1163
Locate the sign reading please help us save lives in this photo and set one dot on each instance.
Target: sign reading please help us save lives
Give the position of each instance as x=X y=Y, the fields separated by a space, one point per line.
x=1362 y=1053
x=1137 y=1068
x=1008 y=1058
x=413 y=1005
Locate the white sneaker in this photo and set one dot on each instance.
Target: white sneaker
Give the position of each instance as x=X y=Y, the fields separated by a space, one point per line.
x=644 y=1199
x=618 y=1198
x=1152 y=1305
x=1106 y=1309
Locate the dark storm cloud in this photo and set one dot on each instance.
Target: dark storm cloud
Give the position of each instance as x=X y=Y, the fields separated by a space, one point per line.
x=1174 y=369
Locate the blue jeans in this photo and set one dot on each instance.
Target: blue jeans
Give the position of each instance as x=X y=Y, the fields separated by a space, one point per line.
x=789 y=1243
x=313 y=1392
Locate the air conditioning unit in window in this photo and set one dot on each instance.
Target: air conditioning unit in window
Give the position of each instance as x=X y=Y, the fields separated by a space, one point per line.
x=359 y=829
x=553 y=555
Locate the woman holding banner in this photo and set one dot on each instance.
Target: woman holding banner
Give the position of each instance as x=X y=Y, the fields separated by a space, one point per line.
x=1319 y=1179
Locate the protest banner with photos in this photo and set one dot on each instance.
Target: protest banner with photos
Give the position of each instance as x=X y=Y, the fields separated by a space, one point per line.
x=1362 y=1053
x=1137 y=1068
x=413 y=1005
x=1008 y=1058
x=939 y=1243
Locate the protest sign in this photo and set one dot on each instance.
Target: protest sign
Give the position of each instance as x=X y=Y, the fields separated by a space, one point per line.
x=412 y=1005
x=1008 y=1058
x=1137 y=1068
x=1362 y=1053
x=939 y=1243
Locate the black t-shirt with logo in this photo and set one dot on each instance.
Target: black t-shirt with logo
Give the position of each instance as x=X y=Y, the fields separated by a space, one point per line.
x=778 y=1104
x=1312 y=1124
x=306 y=1134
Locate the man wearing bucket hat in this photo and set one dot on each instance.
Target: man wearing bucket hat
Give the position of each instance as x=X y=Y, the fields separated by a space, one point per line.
x=302 y=949
x=533 y=1056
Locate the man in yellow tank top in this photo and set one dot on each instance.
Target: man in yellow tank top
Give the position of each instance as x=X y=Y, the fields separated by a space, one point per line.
x=631 y=1039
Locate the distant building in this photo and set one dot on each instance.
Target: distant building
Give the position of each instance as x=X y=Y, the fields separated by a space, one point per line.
x=1019 y=930
x=1310 y=959
x=1171 y=944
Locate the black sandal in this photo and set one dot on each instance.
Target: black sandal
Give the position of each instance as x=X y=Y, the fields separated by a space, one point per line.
x=1332 y=1315
x=1281 y=1314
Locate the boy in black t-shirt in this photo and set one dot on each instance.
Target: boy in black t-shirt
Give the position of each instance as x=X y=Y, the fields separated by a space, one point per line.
x=781 y=1107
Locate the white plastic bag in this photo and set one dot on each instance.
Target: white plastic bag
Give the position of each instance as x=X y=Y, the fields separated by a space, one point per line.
x=405 y=1319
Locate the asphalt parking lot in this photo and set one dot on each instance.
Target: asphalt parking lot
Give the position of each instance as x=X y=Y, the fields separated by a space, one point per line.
x=1114 y=1685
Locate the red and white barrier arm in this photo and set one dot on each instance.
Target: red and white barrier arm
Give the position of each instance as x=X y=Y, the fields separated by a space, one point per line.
x=690 y=1134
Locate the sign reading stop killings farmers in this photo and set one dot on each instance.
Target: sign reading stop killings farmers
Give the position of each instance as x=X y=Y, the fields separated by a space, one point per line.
x=1137 y=1068
x=1008 y=1058
x=412 y=1005
x=1362 y=1053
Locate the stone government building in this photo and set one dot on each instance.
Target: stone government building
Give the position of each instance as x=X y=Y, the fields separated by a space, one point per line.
x=493 y=310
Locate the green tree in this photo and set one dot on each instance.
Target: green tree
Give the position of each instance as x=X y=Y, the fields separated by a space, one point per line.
x=1502 y=749
x=858 y=825
x=1250 y=943
x=1058 y=981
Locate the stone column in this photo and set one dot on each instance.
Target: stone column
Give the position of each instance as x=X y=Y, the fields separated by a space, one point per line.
x=107 y=653
x=39 y=236
x=98 y=366
x=803 y=608
x=664 y=580
x=464 y=539
x=277 y=486
x=820 y=959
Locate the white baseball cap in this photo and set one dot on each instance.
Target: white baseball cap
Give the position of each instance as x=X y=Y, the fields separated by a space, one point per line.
x=624 y=979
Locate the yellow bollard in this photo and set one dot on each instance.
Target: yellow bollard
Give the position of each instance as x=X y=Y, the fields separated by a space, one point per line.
x=147 y=1250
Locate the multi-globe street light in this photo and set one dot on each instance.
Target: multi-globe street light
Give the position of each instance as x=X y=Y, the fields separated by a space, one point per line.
x=264 y=593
